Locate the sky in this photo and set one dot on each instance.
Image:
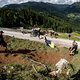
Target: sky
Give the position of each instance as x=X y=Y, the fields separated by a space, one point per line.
x=5 y=2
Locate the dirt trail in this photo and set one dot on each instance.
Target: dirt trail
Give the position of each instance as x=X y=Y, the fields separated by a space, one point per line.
x=62 y=42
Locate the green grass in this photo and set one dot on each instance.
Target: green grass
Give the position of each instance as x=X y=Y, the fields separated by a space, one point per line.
x=76 y=65
x=76 y=61
x=15 y=44
x=74 y=36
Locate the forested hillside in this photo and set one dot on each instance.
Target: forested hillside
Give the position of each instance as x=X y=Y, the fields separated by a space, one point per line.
x=46 y=15
x=27 y=18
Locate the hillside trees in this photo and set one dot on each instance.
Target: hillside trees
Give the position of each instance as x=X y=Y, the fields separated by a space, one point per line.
x=27 y=18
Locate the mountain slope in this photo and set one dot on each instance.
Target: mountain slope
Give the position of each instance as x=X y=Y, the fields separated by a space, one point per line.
x=74 y=8
x=48 y=7
x=60 y=16
x=55 y=9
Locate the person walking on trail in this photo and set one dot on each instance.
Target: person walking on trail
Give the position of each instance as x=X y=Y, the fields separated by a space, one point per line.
x=2 y=42
x=69 y=35
x=56 y=35
x=74 y=47
x=49 y=43
x=39 y=33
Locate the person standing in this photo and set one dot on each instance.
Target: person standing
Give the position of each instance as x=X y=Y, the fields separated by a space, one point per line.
x=74 y=47
x=2 y=42
x=69 y=35
x=39 y=33
x=1 y=37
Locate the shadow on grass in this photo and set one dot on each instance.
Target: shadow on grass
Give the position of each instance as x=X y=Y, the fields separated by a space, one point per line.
x=22 y=51
x=76 y=76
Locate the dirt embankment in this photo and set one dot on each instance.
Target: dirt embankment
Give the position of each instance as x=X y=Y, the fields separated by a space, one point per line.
x=50 y=58
x=43 y=57
x=8 y=58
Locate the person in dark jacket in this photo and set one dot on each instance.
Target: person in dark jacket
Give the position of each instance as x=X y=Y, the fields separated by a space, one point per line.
x=2 y=42
x=74 y=47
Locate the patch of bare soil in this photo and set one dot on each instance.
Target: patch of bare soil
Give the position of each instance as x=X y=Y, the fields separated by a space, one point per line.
x=44 y=57
x=50 y=58
x=11 y=58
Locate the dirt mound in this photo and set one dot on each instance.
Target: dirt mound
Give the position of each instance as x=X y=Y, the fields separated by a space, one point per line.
x=44 y=57
x=50 y=58
x=11 y=59
x=6 y=58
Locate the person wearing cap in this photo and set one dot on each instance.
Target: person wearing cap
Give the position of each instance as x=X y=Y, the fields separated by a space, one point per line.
x=2 y=42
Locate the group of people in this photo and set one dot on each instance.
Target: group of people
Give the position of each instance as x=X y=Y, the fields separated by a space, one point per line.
x=62 y=63
x=72 y=49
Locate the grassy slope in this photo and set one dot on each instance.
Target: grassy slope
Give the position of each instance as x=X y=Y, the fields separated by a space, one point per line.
x=30 y=72
x=74 y=36
x=16 y=44
x=76 y=61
